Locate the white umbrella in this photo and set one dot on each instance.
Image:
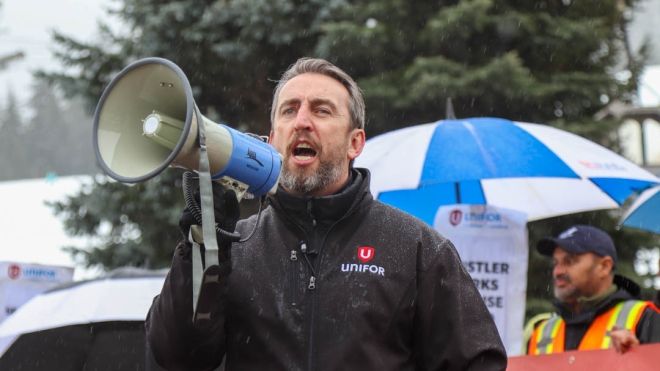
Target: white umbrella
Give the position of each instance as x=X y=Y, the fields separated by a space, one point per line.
x=83 y=323
x=536 y=169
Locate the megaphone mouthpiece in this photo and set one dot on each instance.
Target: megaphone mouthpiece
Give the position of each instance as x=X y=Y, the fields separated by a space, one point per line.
x=163 y=129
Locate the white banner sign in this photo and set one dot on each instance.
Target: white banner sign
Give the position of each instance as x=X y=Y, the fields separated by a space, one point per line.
x=492 y=243
x=19 y=282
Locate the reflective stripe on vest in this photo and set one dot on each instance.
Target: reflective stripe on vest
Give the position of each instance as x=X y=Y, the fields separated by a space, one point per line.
x=548 y=337
x=624 y=315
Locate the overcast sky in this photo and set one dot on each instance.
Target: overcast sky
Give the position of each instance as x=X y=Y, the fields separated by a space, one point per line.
x=26 y=25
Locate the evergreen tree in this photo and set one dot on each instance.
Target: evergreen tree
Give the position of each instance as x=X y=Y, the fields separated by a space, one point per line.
x=45 y=132
x=56 y=139
x=537 y=61
x=231 y=51
x=133 y=226
x=13 y=160
x=42 y=144
x=78 y=156
x=62 y=132
x=546 y=61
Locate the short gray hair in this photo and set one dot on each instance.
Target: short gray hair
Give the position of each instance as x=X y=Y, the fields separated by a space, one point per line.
x=356 y=105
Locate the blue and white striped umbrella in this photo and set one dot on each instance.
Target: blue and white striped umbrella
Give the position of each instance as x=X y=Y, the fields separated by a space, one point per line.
x=536 y=169
x=644 y=213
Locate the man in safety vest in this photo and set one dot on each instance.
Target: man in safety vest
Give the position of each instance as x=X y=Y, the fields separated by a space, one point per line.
x=596 y=308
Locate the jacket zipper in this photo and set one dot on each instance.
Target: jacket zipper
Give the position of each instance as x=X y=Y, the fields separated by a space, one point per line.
x=312 y=277
x=311 y=308
x=311 y=286
x=293 y=278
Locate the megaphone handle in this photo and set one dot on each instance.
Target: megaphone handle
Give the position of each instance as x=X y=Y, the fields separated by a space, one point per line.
x=196 y=211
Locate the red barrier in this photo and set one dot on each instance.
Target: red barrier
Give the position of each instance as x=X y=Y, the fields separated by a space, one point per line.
x=640 y=358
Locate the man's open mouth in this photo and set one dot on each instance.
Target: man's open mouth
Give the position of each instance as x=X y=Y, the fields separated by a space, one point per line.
x=303 y=151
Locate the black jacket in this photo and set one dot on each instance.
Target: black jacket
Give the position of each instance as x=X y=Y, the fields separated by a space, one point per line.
x=299 y=298
x=648 y=327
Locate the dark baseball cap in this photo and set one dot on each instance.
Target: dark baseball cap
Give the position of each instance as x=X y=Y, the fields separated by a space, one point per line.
x=580 y=239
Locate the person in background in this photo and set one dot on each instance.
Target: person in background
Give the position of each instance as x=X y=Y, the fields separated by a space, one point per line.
x=332 y=279
x=596 y=308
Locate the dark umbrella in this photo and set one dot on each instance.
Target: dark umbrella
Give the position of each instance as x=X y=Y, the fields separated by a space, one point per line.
x=108 y=346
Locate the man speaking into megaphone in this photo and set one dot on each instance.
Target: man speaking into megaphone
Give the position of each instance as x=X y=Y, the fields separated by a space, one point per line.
x=331 y=279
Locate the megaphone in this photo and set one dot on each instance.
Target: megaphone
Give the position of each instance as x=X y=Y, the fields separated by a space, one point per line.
x=147 y=121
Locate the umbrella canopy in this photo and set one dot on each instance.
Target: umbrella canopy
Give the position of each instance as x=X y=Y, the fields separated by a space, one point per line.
x=536 y=169
x=102 y=346
x=87 y=325
x=644 y=213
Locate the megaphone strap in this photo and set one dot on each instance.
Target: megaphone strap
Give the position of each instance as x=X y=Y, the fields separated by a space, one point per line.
x=208 y=217
x=206 y=200
x=197 y=271
x=198 y=278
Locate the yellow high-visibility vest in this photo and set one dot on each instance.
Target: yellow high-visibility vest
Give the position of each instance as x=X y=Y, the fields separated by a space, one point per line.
x=548 y=336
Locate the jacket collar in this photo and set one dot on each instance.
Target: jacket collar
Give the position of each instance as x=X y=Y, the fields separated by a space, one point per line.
x=325 y=209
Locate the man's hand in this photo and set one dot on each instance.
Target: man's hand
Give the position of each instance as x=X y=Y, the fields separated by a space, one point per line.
x=623 y=340
x=226 y=212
